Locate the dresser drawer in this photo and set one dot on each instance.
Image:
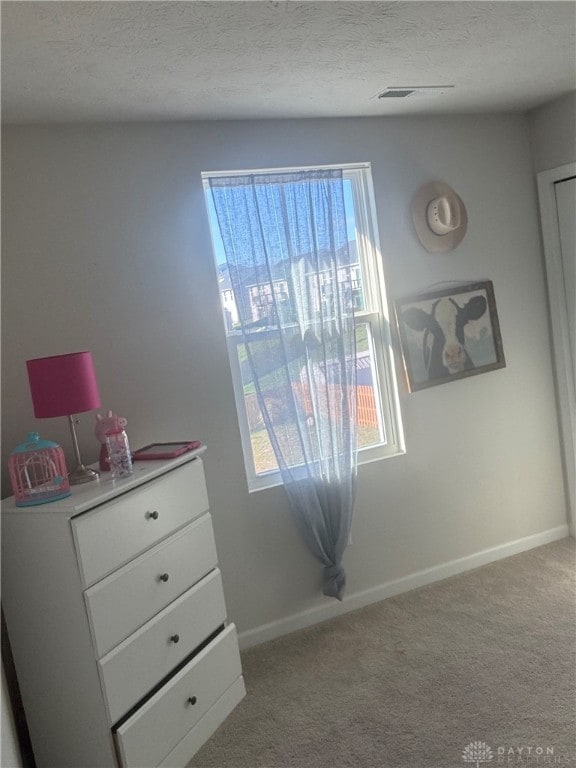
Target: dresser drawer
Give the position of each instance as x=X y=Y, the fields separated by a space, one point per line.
x=122 y=602
x=114 y=533
x=180 y=704
x=186 y=749
x=135 y=666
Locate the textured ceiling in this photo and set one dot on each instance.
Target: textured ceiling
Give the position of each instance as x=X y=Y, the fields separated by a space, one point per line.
x=102 y=61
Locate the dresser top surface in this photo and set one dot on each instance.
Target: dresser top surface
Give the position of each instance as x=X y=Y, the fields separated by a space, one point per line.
x=90 y=495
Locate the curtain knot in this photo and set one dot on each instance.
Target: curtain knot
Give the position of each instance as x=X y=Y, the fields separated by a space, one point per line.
x=334 y=581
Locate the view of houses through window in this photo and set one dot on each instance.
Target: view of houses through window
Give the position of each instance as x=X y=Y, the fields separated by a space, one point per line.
x=263 y=298
x=264 y=302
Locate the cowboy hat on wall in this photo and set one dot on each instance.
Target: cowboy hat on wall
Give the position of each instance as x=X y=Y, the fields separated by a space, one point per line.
x=439 y=217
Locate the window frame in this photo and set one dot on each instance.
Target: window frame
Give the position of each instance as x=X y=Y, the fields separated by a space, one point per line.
x=376 y=315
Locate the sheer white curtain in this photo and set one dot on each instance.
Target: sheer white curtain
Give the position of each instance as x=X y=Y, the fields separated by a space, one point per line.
x=285 y=241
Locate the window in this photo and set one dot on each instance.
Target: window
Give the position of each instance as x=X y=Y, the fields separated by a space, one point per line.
x=378 y=415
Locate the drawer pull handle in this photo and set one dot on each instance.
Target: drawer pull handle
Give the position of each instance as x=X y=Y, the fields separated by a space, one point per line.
x=164 y=577
x=152 y=515
x=175 y=639
x=192 y=700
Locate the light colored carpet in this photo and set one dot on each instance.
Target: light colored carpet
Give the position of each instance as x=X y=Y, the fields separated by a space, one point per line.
x=487 y=656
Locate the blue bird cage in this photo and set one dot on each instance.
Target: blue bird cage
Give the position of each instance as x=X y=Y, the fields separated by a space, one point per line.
x=38 y=472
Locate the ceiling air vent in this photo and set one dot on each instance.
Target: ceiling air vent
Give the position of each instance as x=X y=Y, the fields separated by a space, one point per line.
x=396 y=93
x=414 y=91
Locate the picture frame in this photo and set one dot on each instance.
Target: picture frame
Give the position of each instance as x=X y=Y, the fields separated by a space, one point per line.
x=449 y=334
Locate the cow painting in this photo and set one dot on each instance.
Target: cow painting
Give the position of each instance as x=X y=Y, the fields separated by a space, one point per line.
x=444 y=345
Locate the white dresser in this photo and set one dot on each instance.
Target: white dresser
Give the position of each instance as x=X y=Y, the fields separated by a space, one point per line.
x=117 y=621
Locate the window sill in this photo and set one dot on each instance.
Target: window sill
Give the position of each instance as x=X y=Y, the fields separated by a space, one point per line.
x=365 y=456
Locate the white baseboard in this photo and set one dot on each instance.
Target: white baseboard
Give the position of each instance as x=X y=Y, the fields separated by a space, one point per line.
x=334 y=608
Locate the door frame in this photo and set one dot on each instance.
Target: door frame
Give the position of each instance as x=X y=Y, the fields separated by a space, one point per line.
x=564 y=375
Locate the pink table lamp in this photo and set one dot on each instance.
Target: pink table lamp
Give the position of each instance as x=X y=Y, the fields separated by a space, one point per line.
x=65 y=385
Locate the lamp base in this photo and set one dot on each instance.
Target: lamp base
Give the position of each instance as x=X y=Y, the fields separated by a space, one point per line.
x=82 y=474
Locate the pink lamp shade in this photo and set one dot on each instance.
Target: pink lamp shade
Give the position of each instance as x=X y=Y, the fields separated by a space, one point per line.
x=63 y=385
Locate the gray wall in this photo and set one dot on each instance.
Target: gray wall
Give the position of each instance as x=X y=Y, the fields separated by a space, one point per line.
x=553 y=133
x=106 y=247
